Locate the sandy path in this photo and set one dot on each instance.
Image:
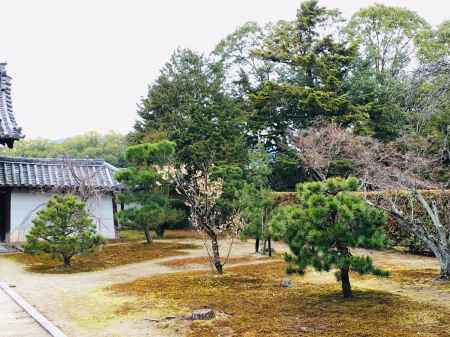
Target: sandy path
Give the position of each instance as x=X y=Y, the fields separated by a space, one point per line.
x=423 y=293
x=79 y=306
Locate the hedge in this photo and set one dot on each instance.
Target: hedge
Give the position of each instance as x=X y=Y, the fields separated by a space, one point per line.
x=285 y=198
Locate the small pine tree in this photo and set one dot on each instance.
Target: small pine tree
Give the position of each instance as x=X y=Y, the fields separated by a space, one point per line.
x=148 y=185
x=63 y=229
x=329 y=222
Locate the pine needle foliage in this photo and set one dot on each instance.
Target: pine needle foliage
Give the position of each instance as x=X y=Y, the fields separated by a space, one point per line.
x=63 y=229
x=148 y=188
x=328 y=223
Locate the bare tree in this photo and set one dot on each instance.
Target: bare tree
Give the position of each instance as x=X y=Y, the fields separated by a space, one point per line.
x=386 y=167
x=201 y=195
x=429 y=93
x=84 y=181
x=436 y=78
x=424 y=214
x=377 y=165
x=85 y=186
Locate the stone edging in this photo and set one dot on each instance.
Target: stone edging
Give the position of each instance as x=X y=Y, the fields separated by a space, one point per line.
x=36 y=315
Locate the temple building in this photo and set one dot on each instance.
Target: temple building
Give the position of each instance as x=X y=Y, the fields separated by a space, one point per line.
x=26 y=184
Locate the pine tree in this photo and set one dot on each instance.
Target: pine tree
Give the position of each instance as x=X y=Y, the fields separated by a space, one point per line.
x=63 y=229
x=329 y=222
x=147 y=183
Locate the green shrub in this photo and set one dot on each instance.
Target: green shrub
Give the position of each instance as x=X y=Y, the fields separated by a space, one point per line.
x=63 y=229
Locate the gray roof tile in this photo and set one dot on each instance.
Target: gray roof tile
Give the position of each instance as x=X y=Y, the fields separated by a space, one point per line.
x=56 y=173
x=9 y=130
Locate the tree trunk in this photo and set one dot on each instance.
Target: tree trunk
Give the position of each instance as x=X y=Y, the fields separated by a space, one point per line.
x=264 y=247
x=216 y=255
x=346 y=287
x=269 y=244
x=437 y=240
x=160 y=229
x=148 y=234
x=66 y=261
x=440 y=244
x=445 y=156
x=445 y=268
x=257 y=245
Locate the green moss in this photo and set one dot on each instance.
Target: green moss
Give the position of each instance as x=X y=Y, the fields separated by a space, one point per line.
x=109 y=256
x=251 y=303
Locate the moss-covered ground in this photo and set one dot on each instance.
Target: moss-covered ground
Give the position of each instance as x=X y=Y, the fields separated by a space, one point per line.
x=204 y=260
x=134 y=235
x=108 y=256
x=250 y=303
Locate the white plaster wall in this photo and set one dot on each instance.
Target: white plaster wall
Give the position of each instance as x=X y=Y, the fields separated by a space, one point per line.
x=25 y=205
x=101 y=209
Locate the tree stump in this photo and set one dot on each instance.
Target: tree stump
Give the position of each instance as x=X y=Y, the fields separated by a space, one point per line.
x=203 y=314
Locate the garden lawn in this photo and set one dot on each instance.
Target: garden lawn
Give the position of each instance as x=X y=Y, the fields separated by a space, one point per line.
x=108 y=256
x=249 y=302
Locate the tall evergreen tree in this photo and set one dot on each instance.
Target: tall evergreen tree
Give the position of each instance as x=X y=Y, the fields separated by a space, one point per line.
x=256 y=200
x=312 y=85
x=189 y=104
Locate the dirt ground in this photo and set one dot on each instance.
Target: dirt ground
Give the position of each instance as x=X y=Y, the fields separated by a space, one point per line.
x=80 y=306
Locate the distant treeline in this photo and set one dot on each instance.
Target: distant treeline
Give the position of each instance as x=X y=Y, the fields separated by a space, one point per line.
x=110 y=147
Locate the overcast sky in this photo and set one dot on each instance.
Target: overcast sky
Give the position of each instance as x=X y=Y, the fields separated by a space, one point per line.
x=82 y=65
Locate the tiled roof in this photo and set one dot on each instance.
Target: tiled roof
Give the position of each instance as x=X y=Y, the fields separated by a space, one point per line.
x=56 y=173
x=9 y=131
